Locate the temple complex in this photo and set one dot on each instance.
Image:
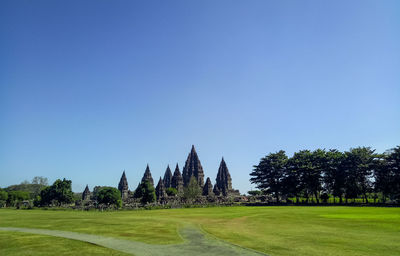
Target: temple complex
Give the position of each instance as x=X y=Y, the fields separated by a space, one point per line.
x=193 y=168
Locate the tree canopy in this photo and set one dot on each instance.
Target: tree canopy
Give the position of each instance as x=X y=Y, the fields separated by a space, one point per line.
x=109 y=196
x=351 y=174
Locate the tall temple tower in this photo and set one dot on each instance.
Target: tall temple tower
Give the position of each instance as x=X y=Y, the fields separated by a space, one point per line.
x=147 y=176
x=86 y=194
x=123 y=186
x=193 y=168
x=177 y=180
x=223 y=180
x=167 y=178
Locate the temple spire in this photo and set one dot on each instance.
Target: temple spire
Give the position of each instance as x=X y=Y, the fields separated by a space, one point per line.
x=177 y=180
x=160 y=190
x=224 y=180
x=123 y=186
x=147 y=176
x=86 y=194
x=193 y=168
x=167 y=177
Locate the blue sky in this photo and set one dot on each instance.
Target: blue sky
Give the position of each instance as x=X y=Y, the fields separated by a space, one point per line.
x=90 y=88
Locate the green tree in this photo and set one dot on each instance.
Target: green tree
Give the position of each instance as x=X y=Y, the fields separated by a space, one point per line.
x=393 y=166
x=359 y=163
x=109 y=196
x=60 y=193
x=3 y=197
x=334 y=174
x=268 y=175
x=146 y=192
x=192 y=191
x=16 y=196
x=308 y=167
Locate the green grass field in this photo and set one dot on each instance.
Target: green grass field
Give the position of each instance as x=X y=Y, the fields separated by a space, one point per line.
x=272 y=230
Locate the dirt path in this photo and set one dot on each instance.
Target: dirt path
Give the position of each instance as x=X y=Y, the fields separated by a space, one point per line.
x=195 y=243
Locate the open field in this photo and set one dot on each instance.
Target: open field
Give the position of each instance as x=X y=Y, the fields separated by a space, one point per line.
x=271 y=230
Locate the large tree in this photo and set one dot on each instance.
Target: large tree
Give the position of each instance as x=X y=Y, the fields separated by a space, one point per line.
x=60 y=193
x=268 y=175
x=393 y=164
x=308 y=167
x=146 y=192
x=359 y=163
x=109 y=196
x=334 y=174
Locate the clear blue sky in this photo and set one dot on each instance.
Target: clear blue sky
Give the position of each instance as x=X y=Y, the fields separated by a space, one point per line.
x=90 y=88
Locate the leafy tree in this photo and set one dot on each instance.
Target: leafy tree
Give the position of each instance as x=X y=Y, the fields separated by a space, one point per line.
x=109 y=196
x=393 y=165
x=255 y=192
x=172 y=191
x=3 y=197
x=383 y=176
x=146 y=192
x=96 y=191
x=308 y=166
x=193 y=190
x=359 y=163
x=269 y=173
x=16 y=196
x=60 y=192
x=334 y=173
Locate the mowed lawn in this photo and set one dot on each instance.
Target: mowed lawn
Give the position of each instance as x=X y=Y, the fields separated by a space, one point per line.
x=272 y=230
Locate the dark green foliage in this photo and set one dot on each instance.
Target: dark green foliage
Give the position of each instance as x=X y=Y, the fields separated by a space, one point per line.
x=96 y=190
x=3 y=195
x=193 y=190
x=269 y=173
x=335 y=174
x=171 y=191
x=59 y=193
x=16 y=196
x=255 y=192
x=146 y=192
x=358 y=165
x=359 y=172
x=110 y=197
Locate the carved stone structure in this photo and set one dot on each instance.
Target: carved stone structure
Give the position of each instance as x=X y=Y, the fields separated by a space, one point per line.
x=193 y=168
x=216 y=190
x=86 y=194
x=123 y=186
x=208 y=188
x=147 y=176
x=177 y=180
x=160 y=190
x=167 y=178
x=224 y=181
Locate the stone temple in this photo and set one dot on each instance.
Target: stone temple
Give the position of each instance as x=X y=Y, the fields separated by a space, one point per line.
x=177 y=180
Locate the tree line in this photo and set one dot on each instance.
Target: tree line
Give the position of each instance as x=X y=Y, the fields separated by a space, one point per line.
x=322 y=174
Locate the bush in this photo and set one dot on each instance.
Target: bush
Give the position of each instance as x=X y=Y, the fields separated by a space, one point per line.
x=172 y=191
x=110 y=197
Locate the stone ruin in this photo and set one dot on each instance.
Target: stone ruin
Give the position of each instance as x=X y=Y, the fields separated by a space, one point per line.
x=86 y=194
x=220 y=192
